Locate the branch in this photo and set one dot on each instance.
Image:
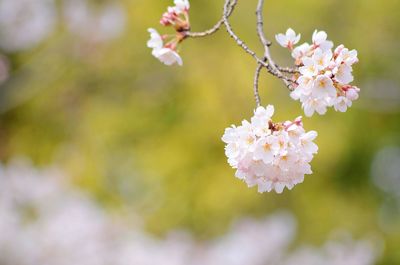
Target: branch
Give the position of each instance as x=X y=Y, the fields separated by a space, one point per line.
x=256 y=78
x=205 y=33
x=266 y=61
x=212 y=30
x=232 y=33
x=266 y=43
x=271 y=69
x=287 y=70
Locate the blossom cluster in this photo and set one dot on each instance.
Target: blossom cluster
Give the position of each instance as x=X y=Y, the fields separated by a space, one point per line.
x=324 y=75
x=270 y=155
x=165 y=46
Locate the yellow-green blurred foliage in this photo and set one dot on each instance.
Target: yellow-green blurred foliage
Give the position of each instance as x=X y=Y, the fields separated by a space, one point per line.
x=145 y=137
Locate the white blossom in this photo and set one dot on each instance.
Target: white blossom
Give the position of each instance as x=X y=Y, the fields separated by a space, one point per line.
x=352 y=93
x=322 y=59
x=167 y=56
x=343 y=55
x=181 y=6
x=155 y=41
x=341 y=103
x=162 y=52
x=343 y=74
x=325 y=76
x=309 y=68
x=311 y=105
x=165 y=47
x=323 y=88
x=176 y=15
x=269 y=155
x=301 y=51
x=289 y=39
x=319 y=39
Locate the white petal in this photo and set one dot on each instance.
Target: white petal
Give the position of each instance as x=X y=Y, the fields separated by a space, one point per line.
x=282 y=40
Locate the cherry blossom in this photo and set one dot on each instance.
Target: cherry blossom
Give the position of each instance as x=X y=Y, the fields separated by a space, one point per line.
x=270 y=155
x=300 y=51
x=181 y=6
x=324 y=75
x=319 y=39
x=168 y=56
x=289 y=39
x=177 y=17
x=165 y=53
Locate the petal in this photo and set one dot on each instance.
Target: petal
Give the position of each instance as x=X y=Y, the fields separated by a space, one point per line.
x=290 y=34
x=282 y=40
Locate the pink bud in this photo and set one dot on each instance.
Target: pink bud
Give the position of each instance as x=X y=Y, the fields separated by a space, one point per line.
x=338 y=50
x=164 y=22
x=299 y=121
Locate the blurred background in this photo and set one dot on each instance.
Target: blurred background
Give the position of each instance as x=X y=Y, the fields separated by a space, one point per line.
x=110 y=157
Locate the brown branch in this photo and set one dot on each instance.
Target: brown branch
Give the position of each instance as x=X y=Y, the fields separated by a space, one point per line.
x=266 y=43
x=256 y=78
x=266 y=61
x=205 y=33
x=212 y=30
x=271 y=69
x=232 y=34
x=287 y=70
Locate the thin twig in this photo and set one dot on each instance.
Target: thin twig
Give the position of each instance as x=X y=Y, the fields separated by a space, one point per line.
x=287 y=69
x=272 y=70
x=266 y=43
x=212 y=30
x=232 y=33
x=260 y=24
x=266 y=61
x=256 y=78
x=208 y=32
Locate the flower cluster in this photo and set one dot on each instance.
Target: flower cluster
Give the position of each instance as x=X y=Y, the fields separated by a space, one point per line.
x=165 y=46
x=270 y=155
x=325 y=75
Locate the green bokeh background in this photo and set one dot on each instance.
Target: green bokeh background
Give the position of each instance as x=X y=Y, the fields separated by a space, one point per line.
x=144 y=137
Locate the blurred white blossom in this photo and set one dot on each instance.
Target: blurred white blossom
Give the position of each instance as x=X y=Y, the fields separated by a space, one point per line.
x=4 y=69
x=339 y=252
x=385 y=169
x=25 y=23
x=94 y=23
x=46 y=222
x=253 y=242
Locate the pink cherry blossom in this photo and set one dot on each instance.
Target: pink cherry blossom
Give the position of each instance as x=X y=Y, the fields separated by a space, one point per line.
x=270 y=155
